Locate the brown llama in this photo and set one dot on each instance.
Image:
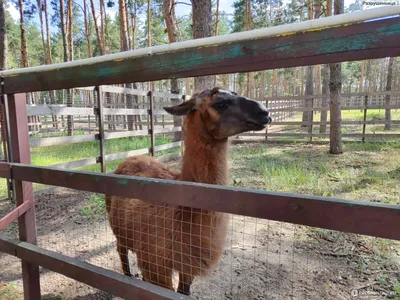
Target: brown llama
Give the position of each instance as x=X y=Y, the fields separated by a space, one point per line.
x=169 y=238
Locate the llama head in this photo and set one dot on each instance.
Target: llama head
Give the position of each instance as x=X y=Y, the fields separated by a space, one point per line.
x=224 y=113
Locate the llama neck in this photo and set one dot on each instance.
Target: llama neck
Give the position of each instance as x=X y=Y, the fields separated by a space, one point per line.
x=205 y=159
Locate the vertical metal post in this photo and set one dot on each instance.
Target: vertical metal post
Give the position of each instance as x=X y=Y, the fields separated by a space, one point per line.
x=23 y=192
x=151 y=129
x=365 y=117
x=99 y=112
x=266 y=127
x=6 y=118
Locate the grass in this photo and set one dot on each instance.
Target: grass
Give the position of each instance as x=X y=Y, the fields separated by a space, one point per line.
x=9 y=291
x=362 y=172
x=95 y=206
x=45 y=156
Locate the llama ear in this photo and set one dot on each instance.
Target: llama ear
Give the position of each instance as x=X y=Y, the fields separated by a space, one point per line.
x=182 y=109
x=185 y=107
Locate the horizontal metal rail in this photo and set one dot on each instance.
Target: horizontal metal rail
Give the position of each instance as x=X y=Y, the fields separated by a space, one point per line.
x=379 y=220
x=300 y=44
x=117 y=284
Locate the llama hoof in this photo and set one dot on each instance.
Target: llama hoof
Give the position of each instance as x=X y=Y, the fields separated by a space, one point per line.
x=136 y=275
x=187 y=293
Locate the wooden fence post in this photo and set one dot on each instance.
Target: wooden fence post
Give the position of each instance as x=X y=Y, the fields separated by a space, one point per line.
x=365 y=117
x=100 y=136
x=151 y=129
x=23 y=192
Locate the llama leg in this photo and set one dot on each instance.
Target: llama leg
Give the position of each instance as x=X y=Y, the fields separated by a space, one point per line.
x=185 y=281
x=123 y=256
x=158 y=275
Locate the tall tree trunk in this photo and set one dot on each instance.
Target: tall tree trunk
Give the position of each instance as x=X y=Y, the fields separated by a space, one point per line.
x=388 y=89
x=3 y=66
x=70 y=32
x=307 y=115
x=308 y=101
x=133 y=12
x=361 y=84
x=40 y=12
x=48 y=36
x=130 y=99
x=24 y=47
x=150 y=84
x=102 y=13
x=216 y=18
x=3 y=39
x=202 y=27
x=167 y=6
x=123 y=27
x=87 y=35
x=64 y=30
x=96 y=27
x=70 y=92
x=335 y=86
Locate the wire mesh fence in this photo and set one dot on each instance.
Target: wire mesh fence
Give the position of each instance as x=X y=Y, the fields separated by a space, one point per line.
x=260 y=259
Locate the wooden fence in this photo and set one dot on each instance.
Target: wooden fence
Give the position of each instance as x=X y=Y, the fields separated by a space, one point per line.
x=366 y=109
x=263 y=49
x=104 y=120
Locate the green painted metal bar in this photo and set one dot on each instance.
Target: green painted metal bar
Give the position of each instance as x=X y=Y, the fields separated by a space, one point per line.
x=368 y=40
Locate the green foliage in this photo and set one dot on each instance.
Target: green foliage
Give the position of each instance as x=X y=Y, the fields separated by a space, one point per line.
x=95 y=206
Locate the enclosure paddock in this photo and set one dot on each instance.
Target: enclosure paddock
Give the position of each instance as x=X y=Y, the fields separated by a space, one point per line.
x=356 y=36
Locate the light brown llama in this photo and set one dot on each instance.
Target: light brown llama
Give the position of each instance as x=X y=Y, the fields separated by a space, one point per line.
x=168 y=238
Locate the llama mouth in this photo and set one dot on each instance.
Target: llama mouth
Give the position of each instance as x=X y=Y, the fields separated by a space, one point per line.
x=256 y=126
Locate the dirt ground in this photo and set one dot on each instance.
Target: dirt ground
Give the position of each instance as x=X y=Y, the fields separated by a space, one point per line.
x=262 y=259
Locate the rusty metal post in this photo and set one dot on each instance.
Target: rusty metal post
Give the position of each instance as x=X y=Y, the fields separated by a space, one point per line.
x=100 y=135
x=151 y=129
x=20 y=153
x=365 y=117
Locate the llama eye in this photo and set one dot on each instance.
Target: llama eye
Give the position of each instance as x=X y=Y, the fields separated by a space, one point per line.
x=222 y=104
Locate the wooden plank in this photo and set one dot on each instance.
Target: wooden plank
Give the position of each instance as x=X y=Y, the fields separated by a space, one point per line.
x=377 y=122
x=361 y=217
x=126 y=154
x=14 y=214
x=63 y=140
x=166 y=95
x=361 y=107
x=58 y=110
x=123 y=90
x=124 y=111
x=76 y=163
x=168 y=130
x=368 y=40
x=303 y=135
x=122 y=134
x=100 y=278
x=168 y=146
x=23 y=191
x=343 y=95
